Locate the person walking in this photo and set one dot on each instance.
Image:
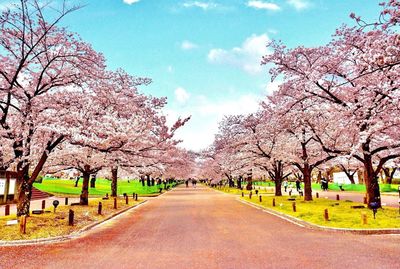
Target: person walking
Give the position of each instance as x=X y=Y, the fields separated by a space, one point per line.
x=298 y=188
x=285 y=185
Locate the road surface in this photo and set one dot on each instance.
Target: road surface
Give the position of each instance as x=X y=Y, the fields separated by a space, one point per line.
x=202 y=228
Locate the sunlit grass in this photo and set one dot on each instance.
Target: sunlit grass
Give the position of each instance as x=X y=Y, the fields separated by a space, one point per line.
x=341 y=215
x=56 y=224
x=103 y=186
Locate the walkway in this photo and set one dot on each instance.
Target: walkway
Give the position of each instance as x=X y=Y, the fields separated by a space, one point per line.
x=202 y=228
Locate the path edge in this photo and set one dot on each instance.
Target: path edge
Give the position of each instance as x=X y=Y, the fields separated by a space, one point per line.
x=73 y=235
x=312 y=226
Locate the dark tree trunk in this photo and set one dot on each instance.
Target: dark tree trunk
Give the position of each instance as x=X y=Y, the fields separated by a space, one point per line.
x=230 y=181
x=371 y=182
x=84 y=198
x=24 y=181
x=389 y=174
x=148 y=180
x=114 y=178
x=239 y=182
x=24 y=192
x=278 y=187
x=142 y=179
x=307 y=183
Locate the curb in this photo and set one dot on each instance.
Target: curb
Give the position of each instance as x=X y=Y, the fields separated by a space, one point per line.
x=73 y=235
x=308 y=225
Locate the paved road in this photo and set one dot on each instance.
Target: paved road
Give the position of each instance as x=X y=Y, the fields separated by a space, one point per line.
x=202 y=228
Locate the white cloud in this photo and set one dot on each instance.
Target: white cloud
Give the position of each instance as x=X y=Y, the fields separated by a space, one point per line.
x=200 y=4
x=299 y=4
x=206 y=114
x=170 y=69
x=187 y=45
x=263 y=5
x=181 y=95
x=130 y=2
x=246 y=57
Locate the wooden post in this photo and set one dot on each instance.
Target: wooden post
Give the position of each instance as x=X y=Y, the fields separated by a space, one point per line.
x=242 y=194
x=250 y=194
x=43 y=204
x=326 y=215
x=99 y=209
x=71 y=217
x=126 y=199
x=7 y=210
x=365 y=200
x=273 y=202
x=337 y=197
x=317 y=195
x=294 y=206
x=115 y=203
x=136 y=197
x=66 y=200
x=364 y=218
x=133 y=196
x=22 y=224
x=260 y=199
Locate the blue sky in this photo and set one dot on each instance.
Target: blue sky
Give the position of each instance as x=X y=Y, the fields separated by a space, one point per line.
x=204 y=55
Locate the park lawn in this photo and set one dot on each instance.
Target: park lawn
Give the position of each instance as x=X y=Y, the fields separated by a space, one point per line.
x=56 y=224
x=340 y=212
x=335 y=186
x=103 y=186
x=357 y=187
x=237 y=191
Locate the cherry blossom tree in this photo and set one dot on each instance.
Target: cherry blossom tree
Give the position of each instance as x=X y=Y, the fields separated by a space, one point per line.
x=38 y=59
x=357 y=76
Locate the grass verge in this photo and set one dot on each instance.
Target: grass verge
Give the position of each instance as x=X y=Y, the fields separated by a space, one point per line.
x=341 y=215
x=56 y=224
x=103 y=186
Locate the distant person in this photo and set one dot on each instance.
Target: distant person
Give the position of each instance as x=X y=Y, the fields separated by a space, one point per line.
x=298 y=187
x=285 y=185
x=324 y=184
x=187 y=183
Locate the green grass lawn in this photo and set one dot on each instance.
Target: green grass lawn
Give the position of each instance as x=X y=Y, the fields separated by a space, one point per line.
x=103 y=186
x=357 y=187
x=335 y=187
x=340 y=212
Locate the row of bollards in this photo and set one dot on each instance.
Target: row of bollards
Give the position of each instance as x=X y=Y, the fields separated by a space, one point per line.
x=364 y=217
x=71 y=213
x=337 y=196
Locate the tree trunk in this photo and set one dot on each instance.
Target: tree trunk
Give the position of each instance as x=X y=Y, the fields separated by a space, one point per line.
x=24 y=193
x=239 y=182
x=84 y=198
x=371 y=183
x=114 y=178
x=389 y=174
x=307 y=183
x=278 y=186
x=148 y=181
x=230 y=181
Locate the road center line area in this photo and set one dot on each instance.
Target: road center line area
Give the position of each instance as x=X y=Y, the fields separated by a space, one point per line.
x=202 y=228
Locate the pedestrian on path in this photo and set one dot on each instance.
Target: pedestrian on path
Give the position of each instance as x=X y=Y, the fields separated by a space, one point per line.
x=285 y=185
x=298 y=188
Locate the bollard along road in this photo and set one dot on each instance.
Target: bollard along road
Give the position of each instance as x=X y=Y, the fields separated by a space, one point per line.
x=203 y=228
